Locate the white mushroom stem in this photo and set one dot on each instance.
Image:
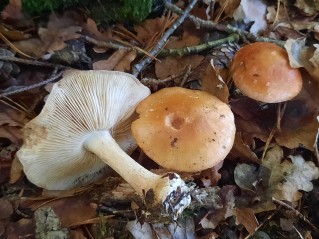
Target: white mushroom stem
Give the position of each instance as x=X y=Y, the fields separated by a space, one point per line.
x=105 y=147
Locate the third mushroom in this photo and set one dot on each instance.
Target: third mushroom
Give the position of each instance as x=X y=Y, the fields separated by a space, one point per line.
x=184 y=130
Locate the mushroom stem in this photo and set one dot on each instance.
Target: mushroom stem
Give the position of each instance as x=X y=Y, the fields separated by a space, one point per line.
x=102 y=144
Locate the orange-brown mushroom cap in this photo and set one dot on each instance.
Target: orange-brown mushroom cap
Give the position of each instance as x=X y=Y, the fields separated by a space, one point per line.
x=262 y=72
x=184 y=130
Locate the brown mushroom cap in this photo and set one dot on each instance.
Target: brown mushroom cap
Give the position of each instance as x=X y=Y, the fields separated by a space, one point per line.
x=184 y=130
x=261 y=71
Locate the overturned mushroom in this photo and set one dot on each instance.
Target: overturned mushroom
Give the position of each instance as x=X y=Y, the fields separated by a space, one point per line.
x=184 y=130
x=84 y=124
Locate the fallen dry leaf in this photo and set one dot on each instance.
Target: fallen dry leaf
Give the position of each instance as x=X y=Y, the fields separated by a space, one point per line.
x=211 y=176
x=54 y=39
x=150 y=29
x=247 y=218
x=6 y=209
x=72 y=210
x=16 y=171
x=242 y=151
x=13 y=11
x=120 y=60
x=308 y=7
x=276 y=178
x=174 y=65
x=215 y=216
x=252 y=119
x=213 y=83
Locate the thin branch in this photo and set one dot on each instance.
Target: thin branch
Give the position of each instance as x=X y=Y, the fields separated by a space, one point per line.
x=199 y=48
x=299 y=214
x=54 y=76
x=140 y=66
x=153 y=82
x=265 y=221
x=31 y=62
x=107 y=44
x=220 y=27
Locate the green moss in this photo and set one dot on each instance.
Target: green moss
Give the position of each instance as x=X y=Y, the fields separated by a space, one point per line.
x=121 y=10
x=99 y=10
x=44 y=6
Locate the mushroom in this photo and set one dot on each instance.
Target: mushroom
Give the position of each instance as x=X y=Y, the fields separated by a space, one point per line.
x=84 y=124
x=191 y=129
x=262 y=72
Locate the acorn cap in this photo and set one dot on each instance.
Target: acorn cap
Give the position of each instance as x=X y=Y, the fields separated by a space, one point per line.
x=184 y=130
x=262 y=72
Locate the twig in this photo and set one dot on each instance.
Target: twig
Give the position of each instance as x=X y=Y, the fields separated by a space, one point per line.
x=139 y=67
x=264 y=222
x=217 y=26
x=153 y=82
x=280 y=113
x=185 y=77
x=299 y=214
x=32 y=62
x=108 y=44
x=53 y=77
x=199 y=48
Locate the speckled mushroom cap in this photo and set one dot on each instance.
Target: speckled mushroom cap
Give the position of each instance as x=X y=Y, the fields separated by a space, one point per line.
x=82 y=102
x=184 y=130
x=262 y=72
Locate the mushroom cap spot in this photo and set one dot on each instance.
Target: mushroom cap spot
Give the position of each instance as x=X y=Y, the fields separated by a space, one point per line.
x=82 y=102
x=262 y=72
x=184 y=130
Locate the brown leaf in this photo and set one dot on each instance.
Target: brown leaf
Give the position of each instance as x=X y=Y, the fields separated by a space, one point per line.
x=13 y=35
x=276 y=178
x=250 y=118
x=242 y=150
x=120 y=60
x=16 y=171
x=149 y=29
x=6 y=209
x=296 y=134
x=212 y=82
x=73 y=210
x=91 y=29
x=13 y=133
x=188 y=39
x=174 y=65
x=61 y=28
x=54 y=39
x=211 y=176
x=217 y=215
x=32 y=46
x=246 y=217
x=13 y=10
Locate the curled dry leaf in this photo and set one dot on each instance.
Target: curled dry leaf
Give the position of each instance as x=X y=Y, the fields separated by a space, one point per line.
x=242 y=150
x=252 y=119
x=174 y=65
x=13 y=11
x=150 y=29
x=283 y=180
x=298 y=125
x=120 y=60
x=212 y=82
x=308 y=7
x=246 y=217
x=215 y=216
x=6 y=209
